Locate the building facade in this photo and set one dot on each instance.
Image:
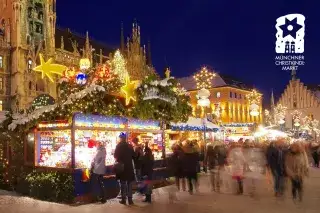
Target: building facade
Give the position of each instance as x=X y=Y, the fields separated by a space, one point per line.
x=28 y=28
x=300 y=97
x=228 y=98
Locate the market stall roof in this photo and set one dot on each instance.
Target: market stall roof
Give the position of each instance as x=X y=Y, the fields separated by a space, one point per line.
x=194 y=124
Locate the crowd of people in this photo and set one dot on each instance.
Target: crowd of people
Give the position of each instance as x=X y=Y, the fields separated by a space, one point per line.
x=240 y=160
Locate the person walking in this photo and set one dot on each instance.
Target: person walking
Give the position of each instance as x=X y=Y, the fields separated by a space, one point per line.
x=147 y=172
x=191 y=164
x=215 y=160
x=315 y=148
x=124 y=156
x=297 y=168
x=176 y=166
x=276 y=164
x=98 y=169
x=237 y=162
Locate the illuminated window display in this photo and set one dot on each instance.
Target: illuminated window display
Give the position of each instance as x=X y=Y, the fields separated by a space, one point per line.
x=73 y=144
x=54 y=148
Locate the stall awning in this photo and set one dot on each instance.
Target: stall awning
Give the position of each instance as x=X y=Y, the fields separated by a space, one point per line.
x=194 y=124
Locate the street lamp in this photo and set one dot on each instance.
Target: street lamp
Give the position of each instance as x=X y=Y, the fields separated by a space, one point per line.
x=203 y=101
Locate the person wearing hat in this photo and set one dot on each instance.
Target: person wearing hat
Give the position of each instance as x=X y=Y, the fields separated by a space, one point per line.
x=124 y=155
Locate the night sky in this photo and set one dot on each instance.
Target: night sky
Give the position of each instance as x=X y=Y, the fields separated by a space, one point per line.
x=233 y=37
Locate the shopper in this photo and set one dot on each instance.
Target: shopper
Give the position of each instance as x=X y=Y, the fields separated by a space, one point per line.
x=124 y=155
x=176 y=166
x=237 y=162
x=296 y=168
x=138 y=150
x=276 y=164
x=190 y=164
x=147 y=172
x=315 y=148
x=98 y=169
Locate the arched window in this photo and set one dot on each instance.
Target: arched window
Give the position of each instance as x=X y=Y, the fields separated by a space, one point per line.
x=30 y=85
x=40 y=15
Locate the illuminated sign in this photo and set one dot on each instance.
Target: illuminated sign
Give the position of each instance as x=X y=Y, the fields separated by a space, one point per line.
x=53 y=125
x=143 y=124
x=100 y=121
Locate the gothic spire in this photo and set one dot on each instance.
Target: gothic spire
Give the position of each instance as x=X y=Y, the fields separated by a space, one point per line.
x=149 y=61
x=293 y=74
x=272 y=102
x=122 y=45
x=87 y=49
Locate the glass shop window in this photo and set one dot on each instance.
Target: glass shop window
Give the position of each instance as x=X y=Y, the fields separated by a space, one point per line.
x=1 y=61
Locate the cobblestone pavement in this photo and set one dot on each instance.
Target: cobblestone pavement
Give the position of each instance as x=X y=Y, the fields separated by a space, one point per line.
x=201 y=202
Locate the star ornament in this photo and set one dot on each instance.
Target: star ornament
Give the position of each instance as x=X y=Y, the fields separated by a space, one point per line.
x=129 y=90
x=47 y=69
x=290 y=28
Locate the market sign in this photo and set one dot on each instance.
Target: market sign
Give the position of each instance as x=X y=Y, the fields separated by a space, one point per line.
x=143 y=124
x=83 y=120
x=57 y=124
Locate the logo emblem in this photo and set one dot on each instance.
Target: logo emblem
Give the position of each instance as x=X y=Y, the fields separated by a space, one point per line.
x=290 y=34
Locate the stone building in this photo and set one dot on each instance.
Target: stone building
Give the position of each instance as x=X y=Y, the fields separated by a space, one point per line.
x=27 y=28
x=301 y=97
x=228 y=96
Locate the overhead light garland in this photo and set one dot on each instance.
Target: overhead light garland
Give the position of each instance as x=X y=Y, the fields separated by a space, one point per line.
x=204 y=78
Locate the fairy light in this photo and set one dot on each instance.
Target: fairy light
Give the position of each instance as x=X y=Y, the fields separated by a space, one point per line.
x=254 y=97
x=204 y=78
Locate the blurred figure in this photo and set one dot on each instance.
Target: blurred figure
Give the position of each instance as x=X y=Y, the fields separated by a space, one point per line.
x=176 y=166
x=215 y=160
x=315 y=148
x=98 y=168
x=297 y=169
x=124 y=154
x=191 y=164
x=276 y=164
x=147 y=172
x=256 y=163
x=138 y=150
x=237 y=162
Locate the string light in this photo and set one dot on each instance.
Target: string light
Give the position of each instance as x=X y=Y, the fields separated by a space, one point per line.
x=204 y=78
x=254 y=97
x=43 y=100
x=119 y=68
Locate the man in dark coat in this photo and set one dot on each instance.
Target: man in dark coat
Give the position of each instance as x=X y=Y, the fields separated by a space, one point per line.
x=275 y=159
x=138 y=158
x=147 y=171
x=124 y=154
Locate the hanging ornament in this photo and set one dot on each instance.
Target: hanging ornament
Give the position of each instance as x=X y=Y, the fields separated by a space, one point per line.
x=70 y=73
x=47 y=69
x=81 y=78
x=129 y=90
x=84 y=64
x=103 y=72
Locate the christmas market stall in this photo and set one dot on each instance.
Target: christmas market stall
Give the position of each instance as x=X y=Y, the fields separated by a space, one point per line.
x=233 y=132
x=198 y=129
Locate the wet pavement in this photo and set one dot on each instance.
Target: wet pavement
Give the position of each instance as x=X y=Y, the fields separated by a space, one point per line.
x=166 y=200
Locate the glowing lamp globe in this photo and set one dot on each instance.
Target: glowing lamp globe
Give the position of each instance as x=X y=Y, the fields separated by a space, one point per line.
x=204 y=102
x=296 y=124
x=81 y=78
x=254 y=112
x=203 y=93
x=84 y=64
x=296 y=120
x=254 y=107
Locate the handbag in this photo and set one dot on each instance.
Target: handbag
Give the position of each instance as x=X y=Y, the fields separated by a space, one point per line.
x=118 y=168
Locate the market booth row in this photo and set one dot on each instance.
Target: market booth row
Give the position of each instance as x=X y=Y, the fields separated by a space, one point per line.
x=197 y=129
x=69 y=145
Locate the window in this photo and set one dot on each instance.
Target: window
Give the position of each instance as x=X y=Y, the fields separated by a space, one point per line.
x=1 y=105
x=235 y=95
x=230 y=94
x=29 y=65
x=240 y=96
x=218 y=94
x=1 y=61
x=1 y=83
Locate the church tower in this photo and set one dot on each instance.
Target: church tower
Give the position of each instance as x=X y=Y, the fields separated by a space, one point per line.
x=32 y=30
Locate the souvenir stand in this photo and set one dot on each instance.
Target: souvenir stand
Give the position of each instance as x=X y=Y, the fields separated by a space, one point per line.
x=70 y=145
x=194 y=128
x=233 y=132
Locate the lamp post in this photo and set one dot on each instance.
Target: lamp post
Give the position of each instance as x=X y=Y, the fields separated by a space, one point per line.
x=203 y=101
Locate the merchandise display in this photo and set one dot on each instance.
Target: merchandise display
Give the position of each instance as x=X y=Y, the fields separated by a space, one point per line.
x=54 y=148
x=85 y=149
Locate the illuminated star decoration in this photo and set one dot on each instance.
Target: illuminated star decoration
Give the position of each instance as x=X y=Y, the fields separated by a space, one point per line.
x=129 y=90
x=48 y=69
x=290 y=28
x=204 y=78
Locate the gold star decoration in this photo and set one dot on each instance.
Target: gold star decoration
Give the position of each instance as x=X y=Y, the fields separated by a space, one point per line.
x=48 y=69
x=129 y=90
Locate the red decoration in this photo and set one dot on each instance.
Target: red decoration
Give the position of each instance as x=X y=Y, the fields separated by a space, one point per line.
x=103 y=72
x=70 y=73
x=91 y=143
